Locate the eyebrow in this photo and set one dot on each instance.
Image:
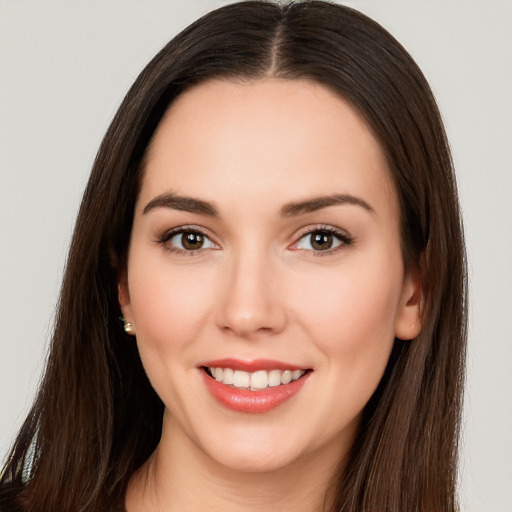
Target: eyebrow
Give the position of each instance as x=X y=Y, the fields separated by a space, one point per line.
x=193 y=205
x=183 y=203
x=317 y=203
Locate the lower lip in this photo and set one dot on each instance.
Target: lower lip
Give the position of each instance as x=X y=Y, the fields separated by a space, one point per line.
x=255 y=402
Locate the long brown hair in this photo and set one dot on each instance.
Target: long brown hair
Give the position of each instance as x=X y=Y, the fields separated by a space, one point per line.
x=96 y=418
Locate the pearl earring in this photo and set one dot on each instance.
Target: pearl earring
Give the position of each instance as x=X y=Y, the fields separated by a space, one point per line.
x=128 y=328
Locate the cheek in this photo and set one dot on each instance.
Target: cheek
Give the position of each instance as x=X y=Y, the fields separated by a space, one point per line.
x=351 y=317
x=352 y=325
x=170 y=305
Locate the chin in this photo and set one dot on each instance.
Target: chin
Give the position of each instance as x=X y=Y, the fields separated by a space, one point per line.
x=257 y=450
x=255 y=460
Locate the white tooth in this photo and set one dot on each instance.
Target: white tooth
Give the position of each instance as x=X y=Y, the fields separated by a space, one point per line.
x=274 y=378
x=241 y=379
x=217 y=373
x=228 y=376
x=286 y=377
x=297 y=374
x=259 y=380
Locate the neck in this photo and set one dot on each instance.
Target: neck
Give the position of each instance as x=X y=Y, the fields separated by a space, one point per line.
x=181 y=476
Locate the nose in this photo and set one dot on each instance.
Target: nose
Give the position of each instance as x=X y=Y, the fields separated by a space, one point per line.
x=252 y=302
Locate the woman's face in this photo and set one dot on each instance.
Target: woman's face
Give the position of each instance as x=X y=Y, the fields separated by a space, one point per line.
x=265 y=247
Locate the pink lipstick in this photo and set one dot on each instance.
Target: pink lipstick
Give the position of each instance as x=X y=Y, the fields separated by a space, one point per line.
x=255 y=386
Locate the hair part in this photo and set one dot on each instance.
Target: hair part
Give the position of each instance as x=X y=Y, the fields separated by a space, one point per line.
x=96 y=418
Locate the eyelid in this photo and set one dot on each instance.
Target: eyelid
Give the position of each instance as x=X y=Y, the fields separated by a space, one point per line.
x=165 y=236
x=343 y=236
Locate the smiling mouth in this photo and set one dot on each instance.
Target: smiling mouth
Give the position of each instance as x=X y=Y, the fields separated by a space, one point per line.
x=253 y=381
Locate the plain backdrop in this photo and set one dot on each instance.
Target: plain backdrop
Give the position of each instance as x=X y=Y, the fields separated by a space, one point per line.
x=64 y=68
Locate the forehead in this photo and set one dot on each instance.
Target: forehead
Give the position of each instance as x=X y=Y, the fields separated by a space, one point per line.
x=273 y=139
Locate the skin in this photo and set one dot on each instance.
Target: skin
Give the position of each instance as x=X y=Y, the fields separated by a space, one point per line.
x=258 y=289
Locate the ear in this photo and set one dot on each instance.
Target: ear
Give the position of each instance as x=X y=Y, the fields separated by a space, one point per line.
x=123 y=296
x=408 y=318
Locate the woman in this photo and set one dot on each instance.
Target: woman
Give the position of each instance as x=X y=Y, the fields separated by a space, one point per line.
x=273 y=213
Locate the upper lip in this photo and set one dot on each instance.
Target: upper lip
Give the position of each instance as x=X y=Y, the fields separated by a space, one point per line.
x=253 y=365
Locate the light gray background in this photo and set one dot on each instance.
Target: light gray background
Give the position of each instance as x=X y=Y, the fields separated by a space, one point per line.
x=64 y=68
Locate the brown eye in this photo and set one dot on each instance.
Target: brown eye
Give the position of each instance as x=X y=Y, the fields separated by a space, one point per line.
x=192 y=241
x=189 y=241
x=321 y=241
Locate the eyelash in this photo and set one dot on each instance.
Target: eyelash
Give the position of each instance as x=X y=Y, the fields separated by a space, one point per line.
x=344 y=238
x=165 y=237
